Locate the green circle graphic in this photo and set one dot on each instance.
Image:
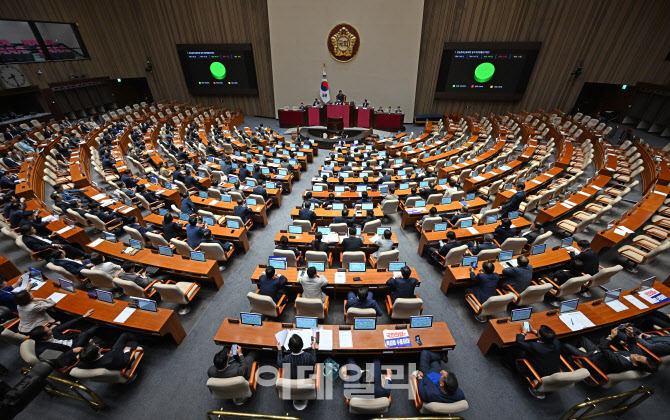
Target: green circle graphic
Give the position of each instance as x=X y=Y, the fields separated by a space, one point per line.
x=218 y=70
x=484 y=72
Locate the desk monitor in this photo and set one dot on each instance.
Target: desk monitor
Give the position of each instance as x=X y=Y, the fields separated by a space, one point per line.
x=508 y=187
x=440 y=227
x=361 y=188
x=210 y=159
x=248 y=318
x=474 y=174
x=319 y=265
x=357 y=267
x=521 y=314
x=307 y=322
x=505 y=256
x=275 y=160
x=208 y=221
x=383 y=189
x=128 y=202
x=226 y=198
x=402 y=173
x=279 y=263
x=569 y=306
x=461 y=160
x=338 y=206
x=233 y=178
x=134 y=243
x=470 y=197
x=282 y=172
x=146 y=304
x=448 y=164
x=104 y=296
x=470 y=261
x=202 y=194
x=398 y=161
x=396 y=265
x=423 y=184
x=153 y=180
x=488 y=168
x=110 y=237
x=251 y=201
x=323 y=229
x=423 y=321
x=184 y=216
x=339 y=188
x=265 y=170
x=648 y=283
x=445 y=200
x=198 y=256
x=420 y=203
x=162 y=212
x=232 y=224
x=538 y=249
x=165 y=251
x=382 y=229
x=466 y=223
x=365 y=323
x=295 y=229
x=317 y=188
x=250 y=183
x=358 y=231
x=66 y=285
x=343 y=175
x=367 y=206
x=567 y=242
x=612 y=295
x=442 y=181
x=513 y=215
x=404 y=186
x=491 y=219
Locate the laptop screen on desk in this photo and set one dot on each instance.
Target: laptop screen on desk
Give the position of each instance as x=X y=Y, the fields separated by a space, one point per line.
x=612 y=295
x=470 y=197
x=226 y=199
x=279 y=263
x=338 y=206
x=339 y=188
x=320 y=266
x=538 y=249
x=323 y=229
x=357 y=267
x=35 y=274
x=513 y=215
x=162 y=212
x=307 y=322
x=317 y=188
x=569 y=306
x=110 y=237
x=367 y=206
x=648 y=283
x=567 y=242
x=66 y=285
x=505 y=256
x=521 y=314
x=295 y=229
x=469 y=261
x=466 y=223
x=396 y=265
x=208 y=221
x=197 y=256
x=146 y=305
x=247 y=318
x=184 y=216
x=424 y=321
x=135 y=244
x=445 y=200
x=104 y=296
x=365 y=323
x=491 y=219
x=232 y=224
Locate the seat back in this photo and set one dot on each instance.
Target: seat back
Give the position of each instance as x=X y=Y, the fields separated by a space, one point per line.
x=130 y=288
x=604 y=276
x=387 y=257
x=290 y=257
x=572 y=286
x=371 y=227
x=63 y=272
x=496 y=304
x=455 y=255
x=562 y=380
x=514 y=244
x=96 y=222
x=229 y=388
x=135 y=234
x=99 y=278
x=657 y=250
x=259 y=199
x=359 y=405
x=405 y=308
x=27 y=350
x=262 y=304
x=305 y=224
x=444 y=408
x=533 y=294
x=429 y=223
x=309 y=307
x=352 y=256
x=488 y=254
x=20 y=244
x=213 y=252
x=296 y=389
x=12 y=337
x=359 y=313
x=390 y=207
x=157 y=240
x=182 y=247
x=104 y=375
x=171 y=293
x=340 y=228
x=541 y=239
x=409 y=203
x=76 y=217
x=317 y=256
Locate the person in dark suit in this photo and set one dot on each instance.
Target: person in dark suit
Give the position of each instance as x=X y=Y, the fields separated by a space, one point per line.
x=445 y=247
x=117 y=358
x=362 y=299
x=8 y=181
x=208 y=239
x=514 y=201
x=190 y=181
x=177 y=174
x=340 y=96
x=518 y=277
x=294 y=363
x=369 y=217
x=316 y=102
x=132 y=223
x=261 y=191
x=352 y=242
x=318 y=244
x=310 y=199
x=229 y=365
x=366 y=103
x=128 y=179
x=504 y=231
x=244 y=173
x=171 y=229
x=37 y=243
x=284 y=246
x=270 y=284
x=182 y=156
x=305 y=213
x=402 y=286
x=9 y=162
x=344 y=219
x=94 y=209
x=30 y=217
x=575 y=269
x=73 y=266
x=486 y=282
x=461 y=214
x=488 y=243
x=534 y=231
x=588 y=257
x=544 y=355
x=613 y=361
x=365 y=198
x=242 y=211
x=194 y=233
x=56 y=338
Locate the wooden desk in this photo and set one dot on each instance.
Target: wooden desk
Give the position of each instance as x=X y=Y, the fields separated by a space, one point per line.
x=423 y=162
x=73 y=235
x=325 y=217
x=371 y=278
x=504 y=335
x=460 y=276
x=446 y=172
x=208 y=270
x=78 y=177
x=532 y=186
x=7 y=268
x=163 y=322
x=411 y=219
x=437 y=338
x=431 y=237
x=91 y=192
x=580 y=198
x=304 y=240
x=471 y=184
x=260 y=213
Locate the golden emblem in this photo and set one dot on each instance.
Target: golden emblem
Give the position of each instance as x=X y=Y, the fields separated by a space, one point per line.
x=343 y=42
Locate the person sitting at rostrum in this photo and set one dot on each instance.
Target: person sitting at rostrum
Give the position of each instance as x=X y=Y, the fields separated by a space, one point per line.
x=229 y=365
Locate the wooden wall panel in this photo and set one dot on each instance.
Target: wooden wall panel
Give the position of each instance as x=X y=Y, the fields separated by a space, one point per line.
x=619 y=41
x=121 y=34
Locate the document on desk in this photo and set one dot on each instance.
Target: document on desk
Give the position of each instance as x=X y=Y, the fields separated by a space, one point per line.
x=325 y=339
x=128 y=210
x=124 y=315
x=473 y=231
x=619 y=232
x=107 y=202
x=570 y=203
x=303 y=333
x=281 y=336
x=479 y=178
x=340 y=277
x=617 y=306
x=653 y=296
x=346 y=339
x=332 y=238
x=576 y=321
x=57 y=296
x=635 y=301
x=583 y=193
x=213 y=202
x=95 y=243
x=99 y=196
x=375 y=238
x=65 y=229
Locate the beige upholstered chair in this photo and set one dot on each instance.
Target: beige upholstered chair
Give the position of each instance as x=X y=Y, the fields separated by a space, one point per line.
x=101 y=280
x=182 y=247
x=319 y=256
x=435 y=407
x=157 y=240
x=601 y=278
x=299 y=390
x=265 y=305
x=404 y=308
x=123 y=376
x=367 y=406
x=311 y=307
x=63 y=272
x=236 y=388
x=492 y=305
x=540 y=386
x=533 y=294
x=352 y=256
x=178 y=292
x=216 y=252
x=132 y=289
x=385 y=258
x=514 y=244
x=351 y=313
x=291 y=260
x=570 y=287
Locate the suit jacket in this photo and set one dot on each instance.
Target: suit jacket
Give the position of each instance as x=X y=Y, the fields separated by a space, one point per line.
x=242 y=212
x=544 y=357
x=485 y=285
x=178 y=176
x=590 y=260
x=456 y=217
x=190 y=181
x=35 y=244
x=187 y=206
x=262 y=192
x=114 y=359
x=402 y=287
x=311 y=287
x=171 y=230
x=514 y=202
x=517 y=277
x=194 y=235
x=272 y=286
x=339 y=219
x=610 y=361
x=129 y=181
x=73 y=267
x=78 y=339
x=444 y=249
x=502 y=234
x=307 y=214
x=384 y=245
x=354 y=302
x=244 y=173
x=352 y=244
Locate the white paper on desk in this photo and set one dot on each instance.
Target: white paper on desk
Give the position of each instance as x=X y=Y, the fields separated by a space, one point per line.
x=213 y=202
x=566 y=205
x=479 y=178
x=99 y=196
x=340 y=277
x=660 y=193
x=375 y=238
x=346 y=339
x=65 y=229
x=160 y=191
x=576 y=321
x=583 y=193
x=625 y=229
x=332 y=238
x=57 y=296
x=95 y=243
x=124 y=315
x=617 y=305
x=325 y=339
x=420 y=209
x=570 y=203
x=619 y=231
x=535 y=181
x=107 y=202
x=281 y=336
x=473 y=230
x=653 y=296
x=596 y=187
x=635 y=301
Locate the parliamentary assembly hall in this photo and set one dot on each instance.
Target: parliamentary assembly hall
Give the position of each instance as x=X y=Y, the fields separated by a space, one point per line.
x=311 y=209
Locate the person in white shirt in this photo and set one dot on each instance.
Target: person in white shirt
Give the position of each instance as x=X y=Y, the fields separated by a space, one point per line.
x=32 y=310
x=385 y=243
x=312 y=284
x=106 y=267
x=451 y=189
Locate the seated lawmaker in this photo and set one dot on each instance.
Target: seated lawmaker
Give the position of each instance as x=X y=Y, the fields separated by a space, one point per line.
x=271 y=284
x=352 y=374
x=93 y=356
x=194 y=233
x=402 y=286
x=504 y=231
x=58 y=338
x=533 y=232
x=463 y=213
x=208 y=239
x=384 y=244
x=362 y=299
x=44 y=245
x=284 y=246
x=445 y=247
x=589 y=258
x=518 y=277
x=294 y=363
x=229 y=365
x=515 y=201
x=318 y=244
x=434 y=383
x=369 y=217
x=171 y=229
x=476 y=248
x=312 y=284
x=305 y=213
x=130 y=273
x=242 y=211
x=486 y=282
x=58 y=258
x=352 y=242
x=544 y=355
x=344 y=218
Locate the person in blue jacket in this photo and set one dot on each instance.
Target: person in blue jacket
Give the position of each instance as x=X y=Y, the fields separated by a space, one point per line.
x=434 y=383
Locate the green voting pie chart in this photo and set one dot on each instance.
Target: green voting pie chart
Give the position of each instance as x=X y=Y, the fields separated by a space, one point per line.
x=218 y=70
x=484 y=72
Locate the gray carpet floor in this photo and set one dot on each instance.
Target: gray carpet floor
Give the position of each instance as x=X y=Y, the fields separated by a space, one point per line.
x=171 y=382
